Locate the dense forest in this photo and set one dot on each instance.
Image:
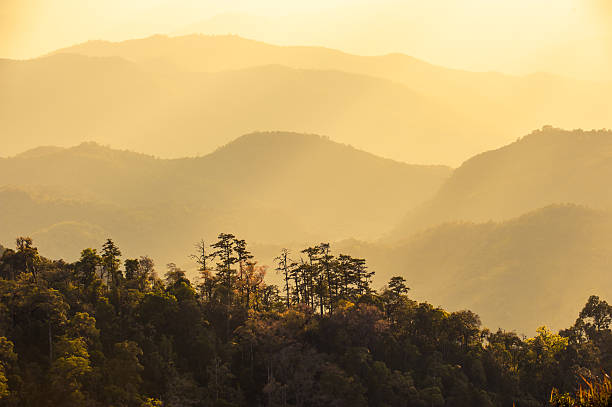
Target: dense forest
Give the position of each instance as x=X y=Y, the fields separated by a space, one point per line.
x=107 y=331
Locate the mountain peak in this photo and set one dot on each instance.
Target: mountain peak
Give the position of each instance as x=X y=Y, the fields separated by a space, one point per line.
x=279 y=137
x=281 y=146
x=91 y=147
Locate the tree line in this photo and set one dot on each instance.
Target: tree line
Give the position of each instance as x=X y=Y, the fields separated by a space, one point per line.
x=102 y=331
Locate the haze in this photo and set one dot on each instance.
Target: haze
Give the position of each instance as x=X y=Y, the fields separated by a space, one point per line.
x=520 y=36
x=292 y=203
x=461 y=144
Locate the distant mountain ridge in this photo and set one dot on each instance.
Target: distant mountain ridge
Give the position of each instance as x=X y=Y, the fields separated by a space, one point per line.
x=494 y=237
x=39 y=151
x=485 y=98
x=549 y=166
x=194 y=86
x=122 y=103
x=268 y=187
x=215 y=53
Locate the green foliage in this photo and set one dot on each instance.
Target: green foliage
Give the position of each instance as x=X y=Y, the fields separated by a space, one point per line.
x=91 y=333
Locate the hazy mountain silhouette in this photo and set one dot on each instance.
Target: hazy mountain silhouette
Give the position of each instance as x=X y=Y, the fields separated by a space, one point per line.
x=480 y=101
x=39 y=152
x=416 y=37
x=67 y=99
x=269 y=187
x=534 y=269
x=113 y=101
x=546 y=167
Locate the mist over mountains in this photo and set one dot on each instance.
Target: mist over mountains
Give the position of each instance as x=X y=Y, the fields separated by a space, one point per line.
x=209 y=90
x=300 y=215
x=520 y=273
x=467 y=238
x=120 y=103
x=269 y=187
x=546 y=167
x=526 y=226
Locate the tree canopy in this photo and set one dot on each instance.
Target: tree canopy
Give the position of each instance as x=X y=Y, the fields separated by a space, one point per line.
x=106 y=332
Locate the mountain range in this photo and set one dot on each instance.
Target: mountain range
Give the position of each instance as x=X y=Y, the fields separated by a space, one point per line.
x=118 y=102
x=518 y=233
x=525 y=227
x=267 y=187
x=180 y=96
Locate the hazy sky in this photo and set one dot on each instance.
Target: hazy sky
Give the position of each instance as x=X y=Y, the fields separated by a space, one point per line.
x=516 y=36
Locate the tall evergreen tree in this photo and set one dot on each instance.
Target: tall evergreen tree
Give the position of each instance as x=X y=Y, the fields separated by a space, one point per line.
x=111 y=261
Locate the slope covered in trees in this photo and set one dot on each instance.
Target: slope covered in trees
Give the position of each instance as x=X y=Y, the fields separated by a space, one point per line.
x=536 y=269
x=272 y=187
x=549 y=166
x=106 y=330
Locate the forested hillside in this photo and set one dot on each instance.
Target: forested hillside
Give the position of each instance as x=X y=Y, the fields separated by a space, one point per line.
x=272 y=187
x=548 y=166
x=535 y=269
x=106 y=330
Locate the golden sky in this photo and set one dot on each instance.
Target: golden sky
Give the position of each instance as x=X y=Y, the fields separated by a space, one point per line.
x=515 y=36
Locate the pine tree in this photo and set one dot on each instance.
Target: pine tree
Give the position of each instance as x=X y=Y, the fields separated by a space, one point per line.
x=111 y=262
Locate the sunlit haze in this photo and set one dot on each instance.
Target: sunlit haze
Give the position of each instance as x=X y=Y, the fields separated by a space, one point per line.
x=518 y=36
x=305 y=203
